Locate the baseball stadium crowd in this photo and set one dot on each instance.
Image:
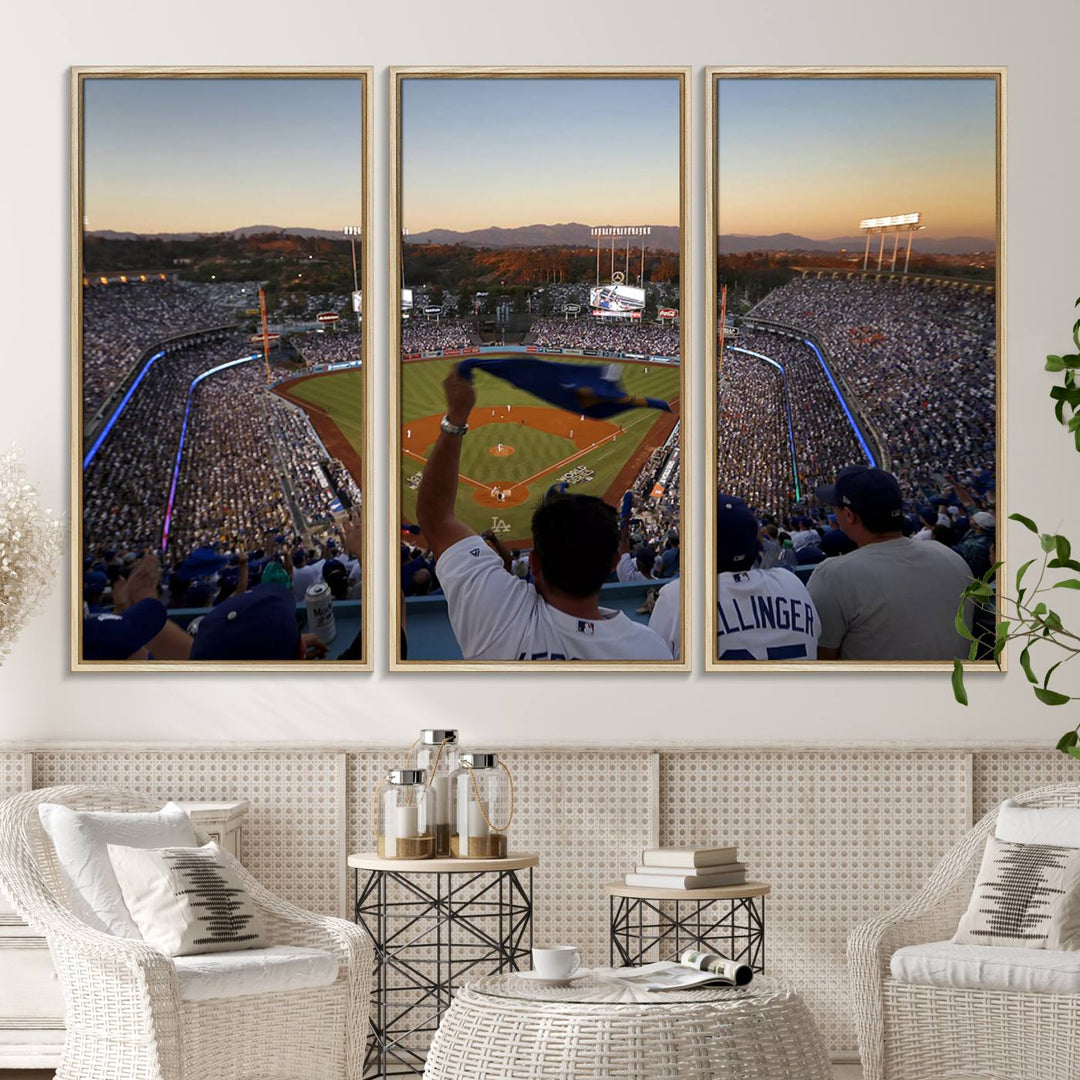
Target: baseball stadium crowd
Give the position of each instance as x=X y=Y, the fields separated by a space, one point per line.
x=753 y=455
x=424 y=335
x=824 y=440
x=919 y=359
x=610 y=335
x=252 y=508
x=329 y=347
x=120 y=322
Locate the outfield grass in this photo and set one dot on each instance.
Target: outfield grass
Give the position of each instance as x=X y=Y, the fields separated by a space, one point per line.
x=422 y=396
x=340 y=394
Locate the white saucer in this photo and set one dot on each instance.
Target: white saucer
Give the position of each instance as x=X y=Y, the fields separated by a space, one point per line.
x=536 y=977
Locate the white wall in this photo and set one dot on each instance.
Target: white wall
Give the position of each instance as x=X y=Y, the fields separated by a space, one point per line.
x=40 y=700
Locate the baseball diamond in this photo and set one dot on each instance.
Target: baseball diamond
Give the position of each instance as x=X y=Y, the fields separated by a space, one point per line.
x=546 y=442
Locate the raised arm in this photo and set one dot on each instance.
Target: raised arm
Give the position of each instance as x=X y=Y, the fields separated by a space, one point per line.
x=437 y=497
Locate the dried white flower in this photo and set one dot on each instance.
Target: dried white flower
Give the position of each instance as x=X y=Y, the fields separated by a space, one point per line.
x=31 y=540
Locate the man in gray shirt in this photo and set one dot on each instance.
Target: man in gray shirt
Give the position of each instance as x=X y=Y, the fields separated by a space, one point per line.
x=893 y=598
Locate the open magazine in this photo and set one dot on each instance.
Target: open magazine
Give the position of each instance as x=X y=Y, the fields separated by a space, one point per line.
x=693 y=969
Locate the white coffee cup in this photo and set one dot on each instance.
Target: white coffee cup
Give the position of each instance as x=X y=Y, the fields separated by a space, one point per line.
x=556 y=961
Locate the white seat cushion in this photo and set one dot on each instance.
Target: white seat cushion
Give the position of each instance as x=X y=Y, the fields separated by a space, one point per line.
x=253 y=971
x=988 y=967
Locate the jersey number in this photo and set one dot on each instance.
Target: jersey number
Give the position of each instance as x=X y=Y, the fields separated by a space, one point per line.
x=774 y=652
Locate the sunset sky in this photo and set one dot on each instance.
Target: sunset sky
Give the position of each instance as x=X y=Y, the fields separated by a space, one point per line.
x=208 y=155
x=510 y=152
x=814 y=156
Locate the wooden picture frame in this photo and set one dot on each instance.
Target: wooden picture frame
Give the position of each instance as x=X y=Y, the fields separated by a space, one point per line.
x=325 y=468
x=399 y=77
x=714 y=167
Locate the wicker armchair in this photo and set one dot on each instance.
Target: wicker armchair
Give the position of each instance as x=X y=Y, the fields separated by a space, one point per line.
x=124 y=1016
x=911 y=1032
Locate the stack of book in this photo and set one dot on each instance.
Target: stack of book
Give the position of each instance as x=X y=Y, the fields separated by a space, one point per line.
x=688 y=868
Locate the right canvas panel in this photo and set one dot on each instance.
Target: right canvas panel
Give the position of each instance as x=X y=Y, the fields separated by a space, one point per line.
x=855 y=220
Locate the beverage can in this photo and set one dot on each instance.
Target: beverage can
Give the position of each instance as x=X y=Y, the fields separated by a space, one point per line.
x=320 y=612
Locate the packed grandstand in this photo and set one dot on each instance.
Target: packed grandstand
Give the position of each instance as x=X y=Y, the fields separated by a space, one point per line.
x=830 y=371
x=188 y=449
x=193 y=451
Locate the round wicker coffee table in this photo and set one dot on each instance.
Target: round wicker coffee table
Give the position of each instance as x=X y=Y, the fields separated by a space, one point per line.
x=504 y=1027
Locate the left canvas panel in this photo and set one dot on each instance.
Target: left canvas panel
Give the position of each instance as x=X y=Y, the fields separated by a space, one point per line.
x=220 y=382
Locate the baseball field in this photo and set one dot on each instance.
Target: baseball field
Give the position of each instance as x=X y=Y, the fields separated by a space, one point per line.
x=335 y=403
x=518 y=445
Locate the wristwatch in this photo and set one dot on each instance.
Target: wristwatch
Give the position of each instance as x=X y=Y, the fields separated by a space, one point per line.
x=452 y=429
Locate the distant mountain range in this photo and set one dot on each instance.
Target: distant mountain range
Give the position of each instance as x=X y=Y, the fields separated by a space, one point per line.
x=570 y=234
x=736 y=244
x=574 y=234
x=663 y=237
x=248 y=230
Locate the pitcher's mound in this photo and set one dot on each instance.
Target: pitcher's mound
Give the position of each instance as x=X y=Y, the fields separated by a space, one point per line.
x=500 y=450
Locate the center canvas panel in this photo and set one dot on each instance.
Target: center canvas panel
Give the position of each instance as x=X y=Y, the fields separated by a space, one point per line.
x=538 y=325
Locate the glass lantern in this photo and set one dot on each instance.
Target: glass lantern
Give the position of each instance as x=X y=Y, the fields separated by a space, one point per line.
x=437 y=754
x=405 y=816
x=485 y=807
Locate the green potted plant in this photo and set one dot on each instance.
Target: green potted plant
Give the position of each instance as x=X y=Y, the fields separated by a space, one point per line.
x=1027 y=615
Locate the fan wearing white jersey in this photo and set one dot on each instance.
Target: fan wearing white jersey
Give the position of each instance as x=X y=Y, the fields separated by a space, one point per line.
x=761 y=614
x=498 y=616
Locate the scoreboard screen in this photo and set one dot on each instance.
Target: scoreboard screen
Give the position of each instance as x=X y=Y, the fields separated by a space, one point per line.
x=624 y=299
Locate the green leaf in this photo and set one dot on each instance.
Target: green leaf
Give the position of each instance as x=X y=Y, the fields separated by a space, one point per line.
x=1074 y=751
x=1070 y=738
x=1055 y=363
x=1022 y=571
x=1048 y=542
x=1025 y=663
x=1053 y=620
x=1050 y=671
x=1063 y=564
x=1064 y=548
x=1068 y=583
x=1025 y=521
x=958 y=682
x=1051 y=697
x=961 y=624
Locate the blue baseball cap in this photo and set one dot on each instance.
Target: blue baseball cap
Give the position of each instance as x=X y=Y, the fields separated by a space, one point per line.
x=116 y=637
x=95 y=583
x=202 y=562
x=256 y=625
x=737 y=542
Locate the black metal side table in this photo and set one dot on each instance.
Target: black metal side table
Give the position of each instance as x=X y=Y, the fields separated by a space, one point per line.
x=729 y=920
x=432 y=922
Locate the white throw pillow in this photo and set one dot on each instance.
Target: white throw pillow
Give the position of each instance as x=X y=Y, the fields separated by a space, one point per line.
x=80 y=839
x=187 y=900
x=1057 y=825
x=1025 y=896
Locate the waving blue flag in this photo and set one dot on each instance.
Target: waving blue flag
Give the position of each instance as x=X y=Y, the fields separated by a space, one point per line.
x=588 y=389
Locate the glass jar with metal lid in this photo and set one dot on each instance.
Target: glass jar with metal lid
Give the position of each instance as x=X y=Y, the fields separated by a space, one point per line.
x=485 y=807
x=437 y=753
x=405 y=810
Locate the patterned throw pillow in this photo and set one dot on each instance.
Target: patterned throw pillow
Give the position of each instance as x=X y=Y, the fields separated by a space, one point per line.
x=1026 y=895
x=186 y=900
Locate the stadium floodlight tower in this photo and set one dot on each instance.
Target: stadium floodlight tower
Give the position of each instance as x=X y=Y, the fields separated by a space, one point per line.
x=352 y=232
x=613 y=231
x=896 y=224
